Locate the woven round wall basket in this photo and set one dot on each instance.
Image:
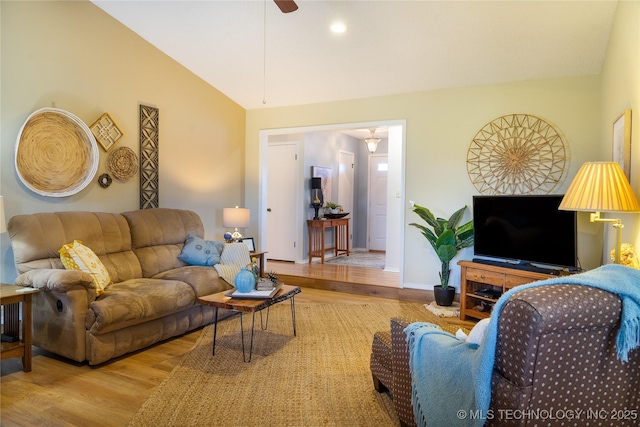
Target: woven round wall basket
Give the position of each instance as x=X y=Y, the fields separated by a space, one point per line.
x=123 y=163
x=56 y=153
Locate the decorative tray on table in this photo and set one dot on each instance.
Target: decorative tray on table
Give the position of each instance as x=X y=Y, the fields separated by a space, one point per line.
x=256 y=294
x=336 y=216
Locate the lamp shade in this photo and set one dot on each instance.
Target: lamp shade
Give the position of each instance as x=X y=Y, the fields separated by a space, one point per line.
x=372 y=144
x=600 y=187
x=3 y=224
x=372 y=141
x=235 y=217
x=316 y=183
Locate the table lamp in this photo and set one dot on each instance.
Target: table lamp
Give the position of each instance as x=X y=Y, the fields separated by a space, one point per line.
x=316 y=187
x=235 y=218
x=601 y=187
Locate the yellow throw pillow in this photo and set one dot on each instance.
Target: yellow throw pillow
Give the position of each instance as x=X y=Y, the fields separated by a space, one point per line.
x=76 y=256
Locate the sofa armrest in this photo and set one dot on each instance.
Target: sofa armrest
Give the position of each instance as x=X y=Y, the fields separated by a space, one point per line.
x=535 y=316
x=57 y=280
x=60 y=311
x=401 y=386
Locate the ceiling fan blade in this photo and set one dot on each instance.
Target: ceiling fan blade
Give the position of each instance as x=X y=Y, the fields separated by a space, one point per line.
x=286 y=6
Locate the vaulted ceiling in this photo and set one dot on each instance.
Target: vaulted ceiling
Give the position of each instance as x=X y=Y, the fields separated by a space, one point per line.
x=260 y=57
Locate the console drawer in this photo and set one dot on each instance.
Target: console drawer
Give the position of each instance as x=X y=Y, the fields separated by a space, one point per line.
x=483 y=276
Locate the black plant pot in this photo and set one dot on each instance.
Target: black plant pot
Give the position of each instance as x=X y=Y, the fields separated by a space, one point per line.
x=444 y=297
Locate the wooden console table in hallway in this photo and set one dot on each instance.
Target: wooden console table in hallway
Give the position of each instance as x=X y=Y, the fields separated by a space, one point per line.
x=316 y=237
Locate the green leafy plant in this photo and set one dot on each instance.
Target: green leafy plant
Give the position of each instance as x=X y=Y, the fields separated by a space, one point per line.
x=332 y=205
x=445 y=236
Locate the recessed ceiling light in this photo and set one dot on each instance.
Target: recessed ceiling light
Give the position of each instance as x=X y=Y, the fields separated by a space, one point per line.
x=339 y=27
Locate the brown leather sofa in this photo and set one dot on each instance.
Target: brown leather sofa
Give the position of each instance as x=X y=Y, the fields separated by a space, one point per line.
x=555 y=362
x=153 y=296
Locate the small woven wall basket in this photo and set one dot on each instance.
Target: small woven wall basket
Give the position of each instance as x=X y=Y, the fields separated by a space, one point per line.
x=56 y=153
x=123 y=163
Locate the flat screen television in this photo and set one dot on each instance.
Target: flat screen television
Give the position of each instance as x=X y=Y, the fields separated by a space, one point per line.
x=525 y=230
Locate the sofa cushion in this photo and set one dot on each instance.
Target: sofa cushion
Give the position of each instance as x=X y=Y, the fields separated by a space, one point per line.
x=136 y=301
x=76 y=256
x=158 y=235
x=197 y=251
x=36 y=239
x=203 y=280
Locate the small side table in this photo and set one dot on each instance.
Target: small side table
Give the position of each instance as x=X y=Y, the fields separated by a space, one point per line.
x=11 y=298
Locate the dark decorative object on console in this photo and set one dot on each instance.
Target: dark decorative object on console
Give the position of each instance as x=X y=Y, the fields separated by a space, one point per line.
x=316 y=195
x=336 y=216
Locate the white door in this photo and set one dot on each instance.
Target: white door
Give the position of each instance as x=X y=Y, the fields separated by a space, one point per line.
x=346 y=176
x=378 y=171
x=281 y=201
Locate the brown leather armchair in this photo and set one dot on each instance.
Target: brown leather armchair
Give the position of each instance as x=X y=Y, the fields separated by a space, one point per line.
x=555 y=364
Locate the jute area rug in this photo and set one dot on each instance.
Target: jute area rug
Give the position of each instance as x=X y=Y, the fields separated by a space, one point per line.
x=321 y=377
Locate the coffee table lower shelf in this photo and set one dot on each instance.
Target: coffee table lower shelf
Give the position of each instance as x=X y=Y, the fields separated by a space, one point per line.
x=241 y=306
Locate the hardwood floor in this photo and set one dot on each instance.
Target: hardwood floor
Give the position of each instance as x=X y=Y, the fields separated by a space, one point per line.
x=61 y=393
x=350 y=279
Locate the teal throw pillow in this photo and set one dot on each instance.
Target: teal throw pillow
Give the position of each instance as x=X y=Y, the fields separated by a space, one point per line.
x=197 y=251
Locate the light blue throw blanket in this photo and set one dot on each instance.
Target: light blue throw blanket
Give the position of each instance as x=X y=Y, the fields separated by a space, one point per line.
x=442 y=365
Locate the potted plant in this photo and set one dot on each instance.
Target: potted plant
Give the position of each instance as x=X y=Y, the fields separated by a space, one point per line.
x=334 y=208
x=446 y=238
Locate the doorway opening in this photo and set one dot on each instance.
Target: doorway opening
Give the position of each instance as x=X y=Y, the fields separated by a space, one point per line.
x=390 y=210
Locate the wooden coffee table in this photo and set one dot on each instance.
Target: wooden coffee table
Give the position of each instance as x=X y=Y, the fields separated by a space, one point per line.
x=241 y=305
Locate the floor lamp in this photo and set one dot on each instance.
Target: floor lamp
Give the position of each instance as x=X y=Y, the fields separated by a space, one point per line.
x=601 y=187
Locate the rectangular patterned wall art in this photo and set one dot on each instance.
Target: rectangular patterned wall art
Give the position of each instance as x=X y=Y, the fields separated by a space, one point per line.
x=149 y=182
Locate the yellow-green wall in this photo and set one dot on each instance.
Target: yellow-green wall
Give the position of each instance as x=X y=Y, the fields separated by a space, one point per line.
x=439 y=127
x=621 y=91
x=72 y=55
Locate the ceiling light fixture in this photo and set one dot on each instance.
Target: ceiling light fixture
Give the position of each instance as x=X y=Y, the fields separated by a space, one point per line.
x=372 y=141
x=339 y=28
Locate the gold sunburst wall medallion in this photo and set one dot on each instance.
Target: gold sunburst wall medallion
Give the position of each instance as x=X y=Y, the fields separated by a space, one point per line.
x=517 y=154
